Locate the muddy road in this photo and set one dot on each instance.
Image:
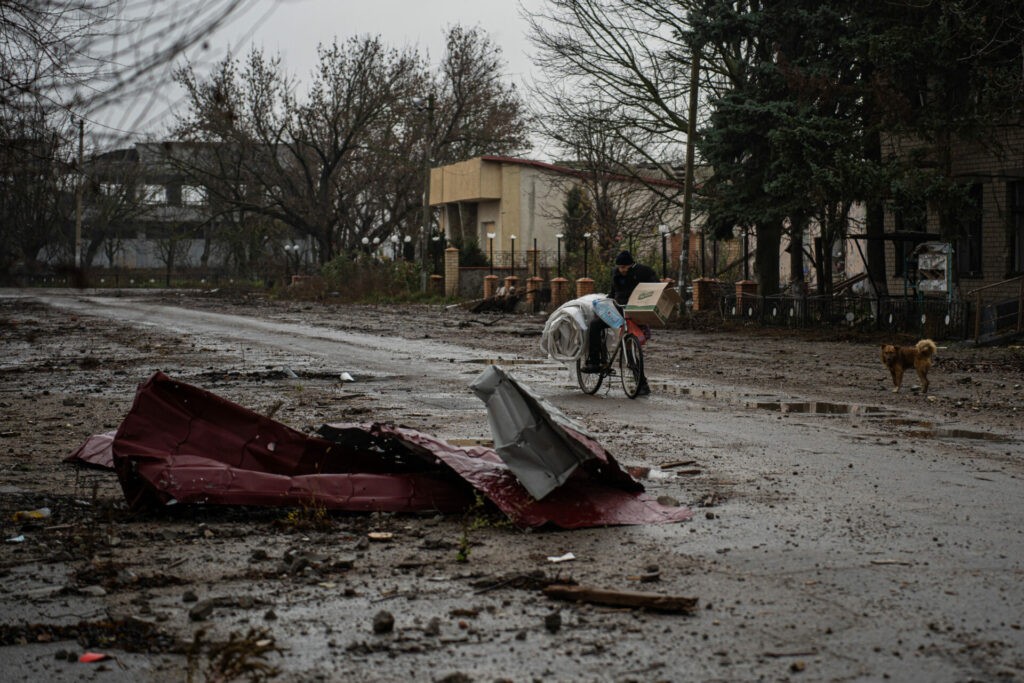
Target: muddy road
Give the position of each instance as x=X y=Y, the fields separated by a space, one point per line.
x=840 y=531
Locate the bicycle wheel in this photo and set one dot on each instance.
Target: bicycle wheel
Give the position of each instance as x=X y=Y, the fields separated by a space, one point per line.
x=631 y=365
x=590 y=382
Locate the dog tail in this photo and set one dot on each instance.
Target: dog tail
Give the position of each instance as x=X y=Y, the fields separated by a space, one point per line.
x=926 y=347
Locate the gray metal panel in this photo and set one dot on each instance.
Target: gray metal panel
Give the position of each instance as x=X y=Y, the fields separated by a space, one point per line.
x=528 y=434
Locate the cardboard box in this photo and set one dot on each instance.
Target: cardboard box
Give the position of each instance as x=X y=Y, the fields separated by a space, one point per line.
x=652 y=303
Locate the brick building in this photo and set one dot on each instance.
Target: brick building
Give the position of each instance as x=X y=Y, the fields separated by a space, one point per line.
x=989 y=248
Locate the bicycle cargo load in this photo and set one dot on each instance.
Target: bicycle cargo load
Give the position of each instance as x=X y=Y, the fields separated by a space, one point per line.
x=652 y=303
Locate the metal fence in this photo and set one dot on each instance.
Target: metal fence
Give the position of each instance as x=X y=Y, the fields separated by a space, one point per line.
x=933 y=318
x=525 y=259
x=138 y=279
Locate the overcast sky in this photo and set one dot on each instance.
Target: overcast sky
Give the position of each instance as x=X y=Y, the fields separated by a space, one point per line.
x=293 y=28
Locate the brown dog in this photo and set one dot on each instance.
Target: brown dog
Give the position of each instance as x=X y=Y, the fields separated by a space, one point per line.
x=899 y=358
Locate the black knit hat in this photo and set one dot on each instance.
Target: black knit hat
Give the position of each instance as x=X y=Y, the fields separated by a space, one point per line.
x=624 y=259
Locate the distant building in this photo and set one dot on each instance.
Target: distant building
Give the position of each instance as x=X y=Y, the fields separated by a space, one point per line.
x=506 y=196
x=989 y=246
x=139 y=200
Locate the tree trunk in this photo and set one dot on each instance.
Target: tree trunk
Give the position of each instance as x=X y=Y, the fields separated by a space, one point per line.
x=796 y=248
x=819 y=260
x=204 y=260
x=766 y=257
x=171 y=249
x=874 y=225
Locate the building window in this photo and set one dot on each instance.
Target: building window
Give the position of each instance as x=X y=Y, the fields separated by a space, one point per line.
x=910 y=219
x=1017 y=225
x=968 y=245
x=192 y=195
x=152 y=194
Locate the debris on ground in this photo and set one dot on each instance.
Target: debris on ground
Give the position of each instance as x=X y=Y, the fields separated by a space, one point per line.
x=653 y=601
x=24 y=515
x=183 y=445
x=541 y=445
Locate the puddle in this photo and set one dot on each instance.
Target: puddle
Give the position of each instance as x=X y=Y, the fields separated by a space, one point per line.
x=503 y=361
x=919 y=429
x=927 y=430
x=818 y=408
x=807 y=407
x=666 y=388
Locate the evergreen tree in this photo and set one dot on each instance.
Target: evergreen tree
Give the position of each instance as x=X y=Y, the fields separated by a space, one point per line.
x=577 y=219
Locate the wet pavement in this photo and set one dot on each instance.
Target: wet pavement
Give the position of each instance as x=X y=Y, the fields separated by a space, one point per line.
x=841 y=532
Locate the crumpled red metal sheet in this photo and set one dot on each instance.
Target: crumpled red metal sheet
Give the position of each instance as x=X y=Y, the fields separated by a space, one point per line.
x=95 y=451
x=182 y=444
x=601 y=495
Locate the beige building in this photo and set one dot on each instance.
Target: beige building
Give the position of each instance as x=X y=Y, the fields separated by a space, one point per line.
x=506 y=197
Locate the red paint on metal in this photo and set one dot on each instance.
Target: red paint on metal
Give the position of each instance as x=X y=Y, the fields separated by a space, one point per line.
x=182 y=444
x=95 y=451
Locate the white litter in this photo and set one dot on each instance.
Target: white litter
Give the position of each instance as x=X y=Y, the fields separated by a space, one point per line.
x=562 y=558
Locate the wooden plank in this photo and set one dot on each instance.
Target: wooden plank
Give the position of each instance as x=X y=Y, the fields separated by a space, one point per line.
x=654 y=601
x=677 y=463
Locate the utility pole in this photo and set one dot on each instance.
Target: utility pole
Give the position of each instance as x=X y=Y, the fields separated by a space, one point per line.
x=425 y=232
x=78 y=192
x=691 y=134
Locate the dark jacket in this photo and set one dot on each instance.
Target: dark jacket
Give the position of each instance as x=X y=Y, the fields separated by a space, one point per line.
x=623 y=285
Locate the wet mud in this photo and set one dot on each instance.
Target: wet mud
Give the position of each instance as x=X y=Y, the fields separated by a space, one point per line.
x=840 y=531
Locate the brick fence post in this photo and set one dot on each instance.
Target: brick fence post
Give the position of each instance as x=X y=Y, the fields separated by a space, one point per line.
x=490 y=286
x=451 y=272
x=703 y=293
x=533 y=291
x=559 y=291
x=584 y=286
x=746 y=294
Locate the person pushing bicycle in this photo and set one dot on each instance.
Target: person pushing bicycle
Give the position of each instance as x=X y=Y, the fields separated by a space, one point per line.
x=626 y=275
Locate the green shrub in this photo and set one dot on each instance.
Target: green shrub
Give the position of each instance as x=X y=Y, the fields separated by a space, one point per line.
x=363 y=278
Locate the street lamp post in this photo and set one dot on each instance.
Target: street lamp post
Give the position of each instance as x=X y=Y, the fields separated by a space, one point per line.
x=436 y=239
x=513 y=257
x=490 y=237
x=428 y=106
x=559 y=237
x=407 y=241
x=394 y=245
x=663 y=229
x=586 y=251
x=291 y=259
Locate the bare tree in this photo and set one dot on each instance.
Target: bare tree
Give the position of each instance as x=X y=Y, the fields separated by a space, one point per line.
x=344 y=161
x=619 y=75
x=85 y=54
x=35 y=208
x=74 y=57
x=625 y=197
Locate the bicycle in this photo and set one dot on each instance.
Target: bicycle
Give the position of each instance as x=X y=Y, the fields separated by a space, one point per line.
x=629 y=353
